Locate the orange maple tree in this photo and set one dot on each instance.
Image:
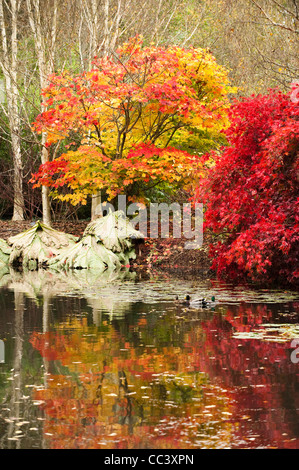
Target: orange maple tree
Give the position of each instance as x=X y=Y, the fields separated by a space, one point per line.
x=135 y=118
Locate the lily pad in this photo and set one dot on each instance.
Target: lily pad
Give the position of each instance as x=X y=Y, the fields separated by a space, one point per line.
x=279 y=333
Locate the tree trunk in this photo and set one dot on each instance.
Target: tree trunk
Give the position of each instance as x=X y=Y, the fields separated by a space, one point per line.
x=9 y=65
x=18 y=207
x=96 y=201
x=45 y=42
x=45 y=190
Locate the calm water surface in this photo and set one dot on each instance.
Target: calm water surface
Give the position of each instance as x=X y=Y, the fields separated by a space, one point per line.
x=113 y=362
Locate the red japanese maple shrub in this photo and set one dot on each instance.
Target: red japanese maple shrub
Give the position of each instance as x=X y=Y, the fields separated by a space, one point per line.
x=251 y=194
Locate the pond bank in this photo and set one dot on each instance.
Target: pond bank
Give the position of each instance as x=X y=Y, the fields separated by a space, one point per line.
x=167 y=254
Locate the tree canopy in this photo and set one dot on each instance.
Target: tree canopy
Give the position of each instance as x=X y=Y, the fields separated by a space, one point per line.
x=120 y=121
x=251 y=194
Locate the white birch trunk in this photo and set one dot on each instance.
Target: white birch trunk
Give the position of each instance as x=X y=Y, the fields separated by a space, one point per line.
x=45 y=49
x=9 y=67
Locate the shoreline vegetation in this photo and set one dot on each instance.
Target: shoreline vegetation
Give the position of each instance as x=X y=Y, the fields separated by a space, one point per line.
x=167 y=254
x=161 y=256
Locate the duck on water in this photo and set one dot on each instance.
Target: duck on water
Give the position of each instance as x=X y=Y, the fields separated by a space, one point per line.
x=197 y=303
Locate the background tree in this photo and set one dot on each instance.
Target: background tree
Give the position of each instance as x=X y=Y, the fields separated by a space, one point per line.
x=256 y=39
x=43 y=22
x=9 y=64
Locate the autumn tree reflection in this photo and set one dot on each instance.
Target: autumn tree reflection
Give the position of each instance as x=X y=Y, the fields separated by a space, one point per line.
x=187 y=383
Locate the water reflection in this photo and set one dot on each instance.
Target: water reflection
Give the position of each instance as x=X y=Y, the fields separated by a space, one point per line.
x=94 y=362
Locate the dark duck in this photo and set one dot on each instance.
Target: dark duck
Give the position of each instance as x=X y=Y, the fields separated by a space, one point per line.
x=196 y=303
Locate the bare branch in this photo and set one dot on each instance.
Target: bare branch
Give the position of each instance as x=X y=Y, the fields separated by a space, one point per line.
x=272 y=22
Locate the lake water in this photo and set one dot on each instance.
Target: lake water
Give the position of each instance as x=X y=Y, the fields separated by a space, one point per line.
x=113 y=362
